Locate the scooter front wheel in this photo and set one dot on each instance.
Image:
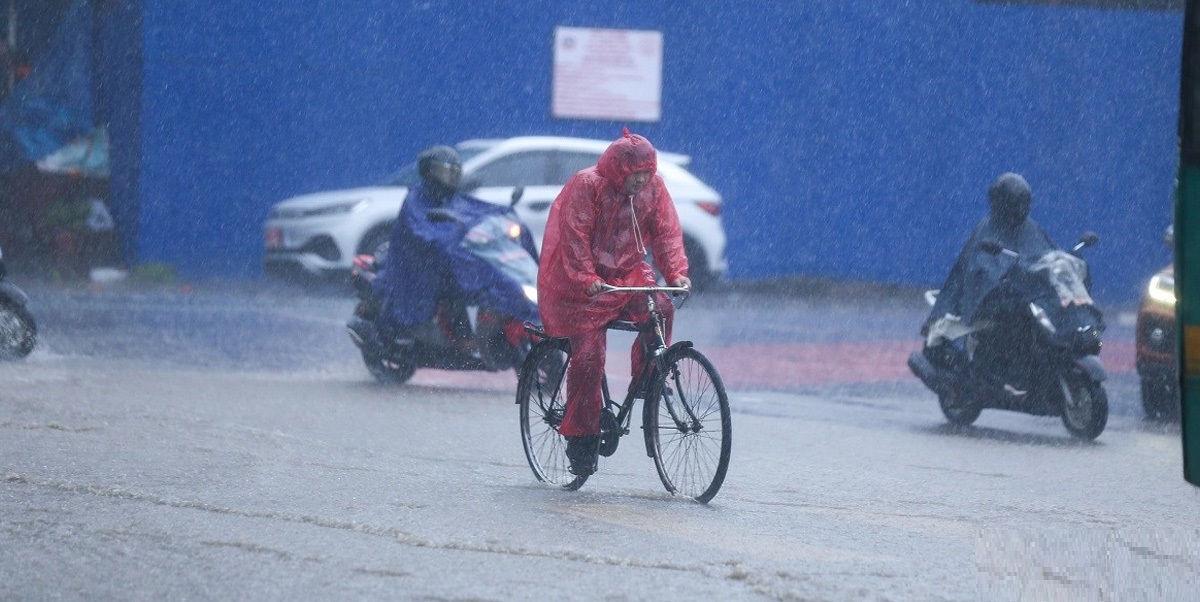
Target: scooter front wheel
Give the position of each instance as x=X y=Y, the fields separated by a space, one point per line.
x=1084 y=406
x=18 y=331
x=388 y=371
x=959 y=408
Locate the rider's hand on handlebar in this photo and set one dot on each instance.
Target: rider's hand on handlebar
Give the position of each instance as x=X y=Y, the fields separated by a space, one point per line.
x=682 y=282
x=594 y=288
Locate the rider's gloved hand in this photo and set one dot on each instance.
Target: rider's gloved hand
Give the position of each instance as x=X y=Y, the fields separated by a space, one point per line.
x=682 y=282
x=595 y=287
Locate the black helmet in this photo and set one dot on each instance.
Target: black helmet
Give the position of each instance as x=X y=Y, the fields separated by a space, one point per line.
x=441 y=167
x=1010 y=198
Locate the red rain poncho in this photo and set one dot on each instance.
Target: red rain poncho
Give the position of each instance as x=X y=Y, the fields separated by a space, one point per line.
x=590 y=236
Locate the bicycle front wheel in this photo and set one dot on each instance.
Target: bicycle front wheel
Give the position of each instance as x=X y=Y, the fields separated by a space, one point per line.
x=541 y=394
x=688 y=424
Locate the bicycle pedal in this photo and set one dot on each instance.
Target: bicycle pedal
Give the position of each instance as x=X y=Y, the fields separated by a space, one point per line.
x=610 y=433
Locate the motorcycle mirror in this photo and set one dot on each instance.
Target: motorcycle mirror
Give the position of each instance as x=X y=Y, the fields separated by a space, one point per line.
x=991 y=247
x=1089 y=238
x=517 y=193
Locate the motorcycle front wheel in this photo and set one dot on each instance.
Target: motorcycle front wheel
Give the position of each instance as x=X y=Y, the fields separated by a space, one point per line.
x=958 y=407
x=1084 y=406
x=388 y=371
x=18 y=332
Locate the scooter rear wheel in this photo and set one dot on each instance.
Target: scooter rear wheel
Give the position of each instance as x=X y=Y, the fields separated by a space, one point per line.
x=18 y=332
x=959 y=408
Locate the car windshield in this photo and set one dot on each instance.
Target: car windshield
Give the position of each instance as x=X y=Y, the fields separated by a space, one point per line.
x=407 y=175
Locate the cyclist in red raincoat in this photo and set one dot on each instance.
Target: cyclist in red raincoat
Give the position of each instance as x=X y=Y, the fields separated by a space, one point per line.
x=598 y=232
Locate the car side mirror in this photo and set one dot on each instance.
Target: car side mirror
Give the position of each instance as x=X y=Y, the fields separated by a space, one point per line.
x=517 y=193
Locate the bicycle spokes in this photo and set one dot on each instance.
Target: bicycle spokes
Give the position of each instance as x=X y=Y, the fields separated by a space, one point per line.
x=539 y=393
x=689 y=426
x=674 y=401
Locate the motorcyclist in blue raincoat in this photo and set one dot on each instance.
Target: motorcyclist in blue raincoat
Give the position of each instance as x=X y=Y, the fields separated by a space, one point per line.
x=976 y=272
x=424 y=265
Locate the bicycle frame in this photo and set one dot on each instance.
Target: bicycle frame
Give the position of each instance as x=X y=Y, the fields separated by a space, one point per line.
x=652 y=350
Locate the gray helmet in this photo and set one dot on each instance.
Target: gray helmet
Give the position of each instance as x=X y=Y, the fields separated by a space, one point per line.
x=1010 y=198
x=440 y=166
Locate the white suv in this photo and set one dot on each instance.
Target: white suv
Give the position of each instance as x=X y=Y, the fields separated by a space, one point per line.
x=321 y=232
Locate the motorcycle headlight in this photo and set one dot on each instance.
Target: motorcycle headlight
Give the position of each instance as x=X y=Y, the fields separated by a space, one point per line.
x=1162 y=289
x=1043 y=320
x=514 y=230
x=530 y=292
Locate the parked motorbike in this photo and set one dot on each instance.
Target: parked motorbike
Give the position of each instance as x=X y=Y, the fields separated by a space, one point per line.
x=18 y=330
x=464 y=333
x=1032 y=347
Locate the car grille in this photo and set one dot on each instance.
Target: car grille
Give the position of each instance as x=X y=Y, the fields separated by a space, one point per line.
x=1157 y=334
x=323 y=247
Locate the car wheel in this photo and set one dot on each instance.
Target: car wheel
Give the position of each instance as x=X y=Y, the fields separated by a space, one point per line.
x=698 y=270
x=375 y=242
x=1159 y=399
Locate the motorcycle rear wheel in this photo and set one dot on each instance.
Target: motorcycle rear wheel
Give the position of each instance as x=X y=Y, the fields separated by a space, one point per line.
x=18 y=332
x=1084 y=406
x=959 y=408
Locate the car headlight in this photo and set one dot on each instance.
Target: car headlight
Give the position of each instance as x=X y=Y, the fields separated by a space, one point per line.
x=1039 y=314
x=334 y=209
x=530 y=292
x=1162 y=289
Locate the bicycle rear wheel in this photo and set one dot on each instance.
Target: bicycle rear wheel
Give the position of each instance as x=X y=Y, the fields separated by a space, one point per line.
x=688 y=424
x=541 y=394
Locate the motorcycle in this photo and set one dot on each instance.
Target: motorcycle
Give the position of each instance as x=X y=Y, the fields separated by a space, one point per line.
x=18 y=330
x=1032 y=347
x=467 y=333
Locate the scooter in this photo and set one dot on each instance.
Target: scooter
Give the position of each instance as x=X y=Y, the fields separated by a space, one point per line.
x=18 y=330
x=1032 y=346
x=465 y=333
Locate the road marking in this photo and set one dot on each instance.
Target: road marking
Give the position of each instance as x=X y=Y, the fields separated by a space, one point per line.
x=775 y=366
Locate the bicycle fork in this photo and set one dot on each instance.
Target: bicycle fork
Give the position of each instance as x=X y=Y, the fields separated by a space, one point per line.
x=672 y=397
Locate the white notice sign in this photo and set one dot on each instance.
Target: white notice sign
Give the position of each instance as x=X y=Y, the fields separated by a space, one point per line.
x=607 y=74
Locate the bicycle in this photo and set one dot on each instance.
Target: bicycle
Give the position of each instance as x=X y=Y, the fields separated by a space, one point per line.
x=685 y=416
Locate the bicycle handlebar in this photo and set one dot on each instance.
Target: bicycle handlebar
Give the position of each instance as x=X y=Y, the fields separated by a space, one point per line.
x=675 y=290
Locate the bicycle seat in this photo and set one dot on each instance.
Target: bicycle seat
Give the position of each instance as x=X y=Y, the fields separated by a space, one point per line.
x=535 y=331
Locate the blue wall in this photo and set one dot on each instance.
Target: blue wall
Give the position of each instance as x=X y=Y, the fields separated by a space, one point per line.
x=850 y=140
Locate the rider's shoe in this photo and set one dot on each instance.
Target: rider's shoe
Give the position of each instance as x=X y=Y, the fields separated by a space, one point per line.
x=581 y=452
